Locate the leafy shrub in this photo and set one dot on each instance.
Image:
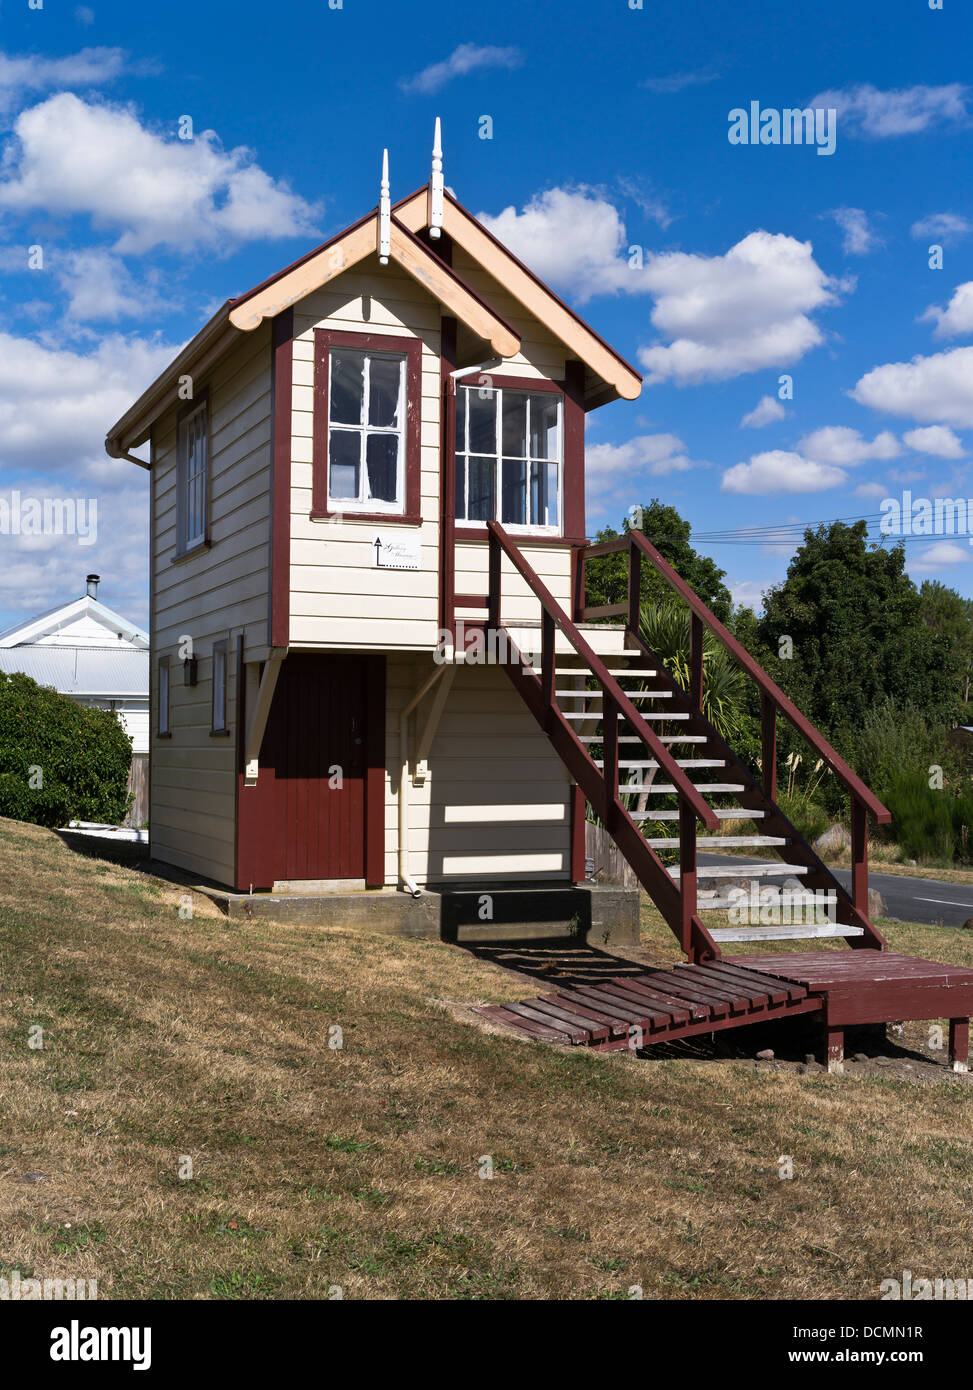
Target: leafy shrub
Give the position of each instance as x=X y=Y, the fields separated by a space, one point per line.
x=59 y=761
x=930 y=826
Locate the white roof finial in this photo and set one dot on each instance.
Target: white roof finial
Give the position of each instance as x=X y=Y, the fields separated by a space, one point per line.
x=384 y=214
x=436 y=184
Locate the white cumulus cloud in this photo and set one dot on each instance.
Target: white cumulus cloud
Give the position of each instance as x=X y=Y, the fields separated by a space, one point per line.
x=845 y=447
x=740 y=312
x=73 y=157
x=956 y=320
x=467 y=58
x=939 y=440
x=859 y=237
x=942 y=555
x=87 y=68
x=573 y=237
x=942 y=227
x=935 y=389
x=765 y=412
x=781 y=471
x=867 y=111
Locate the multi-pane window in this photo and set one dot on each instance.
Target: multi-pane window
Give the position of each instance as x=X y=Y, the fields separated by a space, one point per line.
x=508 y=457
x=366 y=429
x=193 y=464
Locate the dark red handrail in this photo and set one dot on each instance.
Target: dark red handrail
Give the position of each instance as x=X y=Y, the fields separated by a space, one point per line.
x=615 y=695
x=770 y=690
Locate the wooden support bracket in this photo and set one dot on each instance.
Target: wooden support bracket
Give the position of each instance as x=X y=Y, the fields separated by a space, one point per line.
x=261 y=712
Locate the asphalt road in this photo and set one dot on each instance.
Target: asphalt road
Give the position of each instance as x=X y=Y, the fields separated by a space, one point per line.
x=909 y=899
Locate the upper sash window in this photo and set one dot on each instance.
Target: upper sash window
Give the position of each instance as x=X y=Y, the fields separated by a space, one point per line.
x=509 y=457
x=193 y=469
x=366 y=430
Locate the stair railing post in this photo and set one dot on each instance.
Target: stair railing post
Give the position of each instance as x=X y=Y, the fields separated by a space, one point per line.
x=493 y=591
x=610 y=748
x=634 y=588
x=687 y=871
x=859 y=856
x=547 y=661
x=768 y=742
x=696 y=663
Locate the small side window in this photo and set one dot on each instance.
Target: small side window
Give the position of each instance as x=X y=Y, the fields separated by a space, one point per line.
x=219 y=688
x=193 y=473
x=163 y=693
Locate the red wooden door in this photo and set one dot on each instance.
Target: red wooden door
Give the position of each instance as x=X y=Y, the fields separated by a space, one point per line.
x=305 y=818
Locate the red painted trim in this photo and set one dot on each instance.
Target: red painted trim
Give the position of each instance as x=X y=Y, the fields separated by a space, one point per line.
x=578 y=852
x=479 y=533
x=447 y=474
x=573 y=519
x=241 y=747
x=281 y=394
x=383 y=518
x=516 y=383
x=375 y=772
x=411 y=349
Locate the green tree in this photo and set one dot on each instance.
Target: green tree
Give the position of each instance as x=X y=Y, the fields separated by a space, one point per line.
x=951 y=615
x=857 y=636
x=607 y=577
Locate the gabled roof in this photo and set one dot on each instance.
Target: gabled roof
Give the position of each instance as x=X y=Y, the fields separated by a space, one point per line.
x=613 y=375
x=33 y=630
x=525 y=286
x=112 y=673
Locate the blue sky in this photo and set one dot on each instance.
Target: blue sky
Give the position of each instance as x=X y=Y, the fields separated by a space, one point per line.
x=610 y=132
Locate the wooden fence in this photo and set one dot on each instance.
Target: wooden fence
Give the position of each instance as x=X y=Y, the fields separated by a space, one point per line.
x=138 y=782
x=610 y=865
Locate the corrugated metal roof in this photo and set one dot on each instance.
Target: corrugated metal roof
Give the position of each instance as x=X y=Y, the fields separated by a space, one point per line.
x=107 y=671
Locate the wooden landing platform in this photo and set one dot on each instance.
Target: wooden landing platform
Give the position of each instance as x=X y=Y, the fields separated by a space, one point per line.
x=629 y=1011
x=845 y=987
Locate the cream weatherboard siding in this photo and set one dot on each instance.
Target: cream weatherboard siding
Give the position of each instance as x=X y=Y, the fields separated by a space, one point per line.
x=495 y=803
x=217 y=593
x=339 y=599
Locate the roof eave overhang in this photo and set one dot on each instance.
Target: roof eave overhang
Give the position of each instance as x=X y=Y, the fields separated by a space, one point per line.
x=613 y=377
x=209 y=344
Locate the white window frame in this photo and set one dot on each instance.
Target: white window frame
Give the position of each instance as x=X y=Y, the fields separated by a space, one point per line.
x=528 y=527
x=363 y=502
x=193 y=446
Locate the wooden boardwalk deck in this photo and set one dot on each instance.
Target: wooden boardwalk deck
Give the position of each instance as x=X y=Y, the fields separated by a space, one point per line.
x=845 y=987
x=627 y=1011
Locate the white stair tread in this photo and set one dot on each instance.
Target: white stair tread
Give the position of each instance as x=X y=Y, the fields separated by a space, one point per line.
x=680 y=762
x=646 y=714
x=782 y=933
x=771 y=870
x=666 y=788
x=632 y=694
x=668 y=738
x=727 y=841
x=735 y=813
x=641 y=671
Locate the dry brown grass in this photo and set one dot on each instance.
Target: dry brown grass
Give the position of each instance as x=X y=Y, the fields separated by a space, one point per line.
x=359 y=1167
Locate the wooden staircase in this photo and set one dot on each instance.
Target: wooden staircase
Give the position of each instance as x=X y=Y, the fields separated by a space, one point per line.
x=644 y=755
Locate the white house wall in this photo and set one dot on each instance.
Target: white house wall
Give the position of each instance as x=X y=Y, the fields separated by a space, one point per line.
x=214 y=594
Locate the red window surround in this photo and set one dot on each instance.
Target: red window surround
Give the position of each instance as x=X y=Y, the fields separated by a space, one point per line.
x=411 y=348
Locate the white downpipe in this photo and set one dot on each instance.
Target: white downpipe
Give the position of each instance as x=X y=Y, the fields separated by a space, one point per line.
x=408 y=882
